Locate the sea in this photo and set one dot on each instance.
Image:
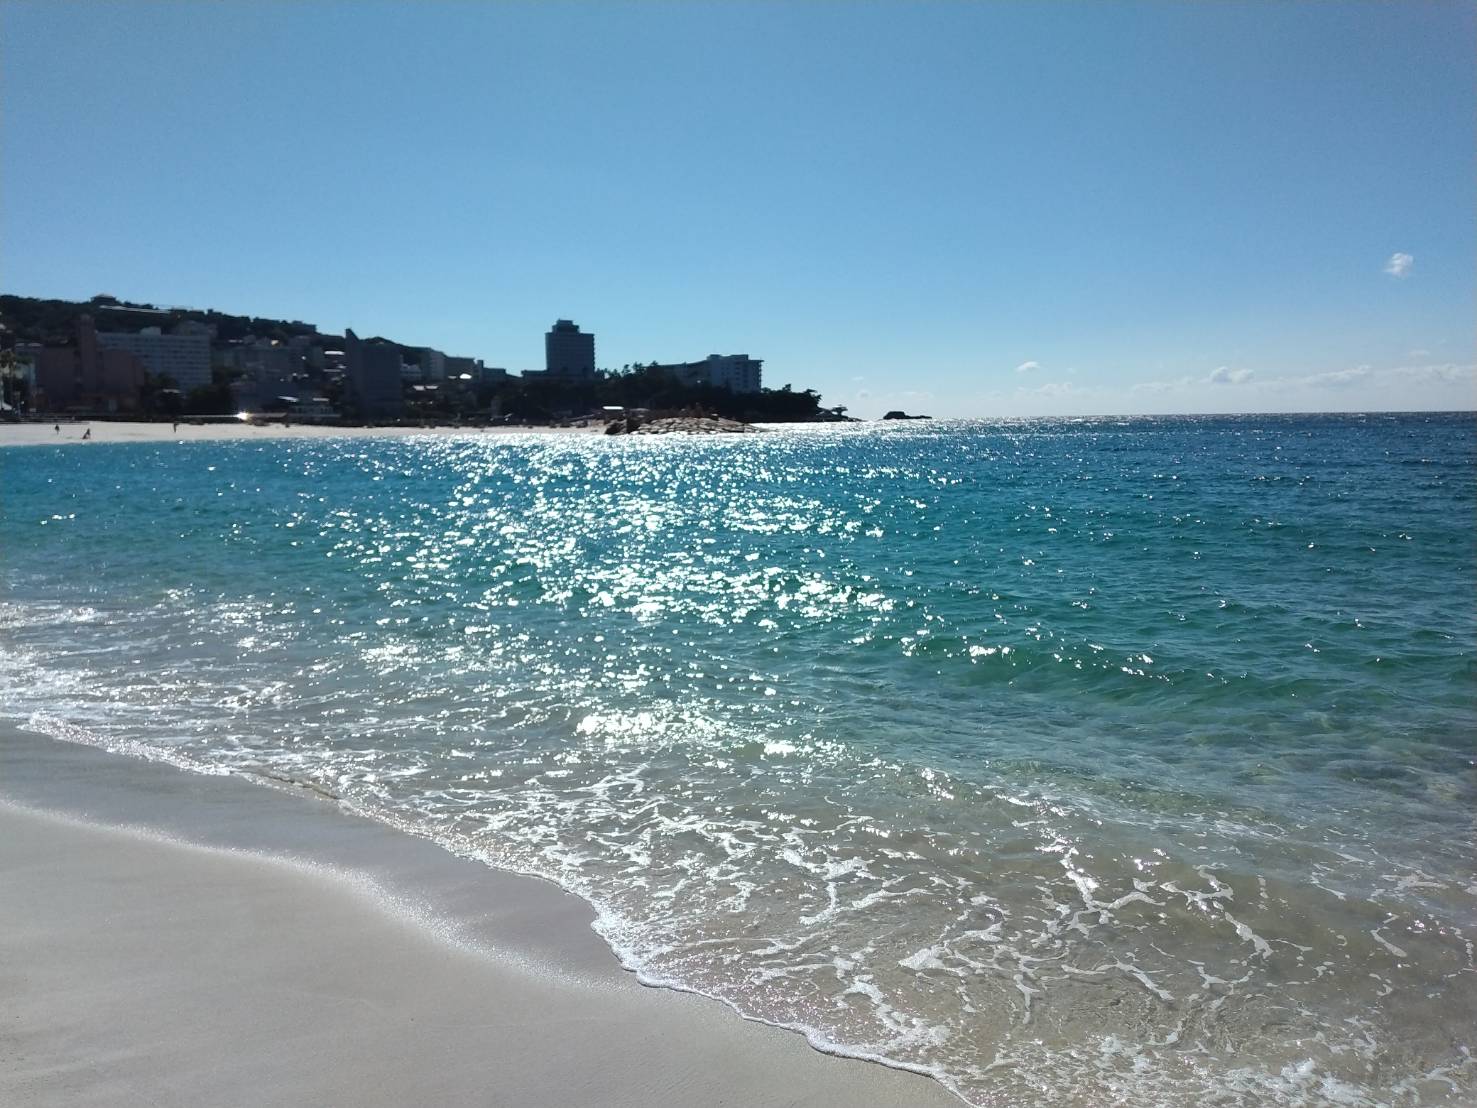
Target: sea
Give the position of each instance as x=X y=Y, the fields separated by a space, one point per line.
x=1071 y=761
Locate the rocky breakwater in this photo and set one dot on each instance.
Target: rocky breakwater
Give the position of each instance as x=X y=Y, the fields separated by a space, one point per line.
x=679 y=425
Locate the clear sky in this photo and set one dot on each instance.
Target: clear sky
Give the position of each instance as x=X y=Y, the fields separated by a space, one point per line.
x=956 y=208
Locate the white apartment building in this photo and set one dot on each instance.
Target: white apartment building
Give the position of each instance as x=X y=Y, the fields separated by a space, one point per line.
x=734 y=372
x=184 y=358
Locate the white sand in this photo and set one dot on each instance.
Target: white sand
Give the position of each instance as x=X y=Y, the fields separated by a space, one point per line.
x=50 y=434
x=141 y=969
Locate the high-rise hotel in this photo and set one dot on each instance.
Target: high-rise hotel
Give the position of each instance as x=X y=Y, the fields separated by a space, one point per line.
x=569 y=352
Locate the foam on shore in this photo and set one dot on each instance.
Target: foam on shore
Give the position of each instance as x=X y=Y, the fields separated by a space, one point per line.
x=187 y=939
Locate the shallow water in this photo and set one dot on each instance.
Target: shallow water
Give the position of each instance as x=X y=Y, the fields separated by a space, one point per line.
x=1070 y=761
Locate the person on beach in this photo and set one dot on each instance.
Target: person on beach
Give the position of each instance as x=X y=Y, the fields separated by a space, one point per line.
x=87 y=434
x=57 y=427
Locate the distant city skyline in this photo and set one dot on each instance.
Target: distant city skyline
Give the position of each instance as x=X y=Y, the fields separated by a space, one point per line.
x=969 y=210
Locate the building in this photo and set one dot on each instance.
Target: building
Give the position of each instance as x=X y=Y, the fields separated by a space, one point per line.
x=269 y=367
x=333 y=361
x=433 y=365
x=569 y=352
x=471 y=368
x=313 y=410
x=184 y=358
x=472 y=371
x=86 y=374
x=734 y=372
x=372 y=378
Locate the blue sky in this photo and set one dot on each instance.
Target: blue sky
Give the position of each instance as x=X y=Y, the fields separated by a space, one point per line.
x=962 y=209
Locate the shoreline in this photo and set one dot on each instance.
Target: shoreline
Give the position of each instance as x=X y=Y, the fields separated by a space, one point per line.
x=116 y=431
x=264 y=945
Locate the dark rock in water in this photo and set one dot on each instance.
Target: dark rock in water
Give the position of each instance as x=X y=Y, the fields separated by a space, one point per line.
x=904 y=415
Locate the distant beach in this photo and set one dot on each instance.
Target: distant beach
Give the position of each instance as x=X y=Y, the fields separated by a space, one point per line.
x=51 y=433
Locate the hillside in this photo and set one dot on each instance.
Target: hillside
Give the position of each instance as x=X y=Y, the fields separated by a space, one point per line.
x=33 y=319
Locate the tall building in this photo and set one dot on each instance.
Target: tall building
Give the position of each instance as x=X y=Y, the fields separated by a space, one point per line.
x=568 y=351
x=185 y=358
x=372 y=378
x=433 y=365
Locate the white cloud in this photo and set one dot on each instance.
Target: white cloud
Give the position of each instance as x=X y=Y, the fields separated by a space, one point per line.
x=1336 y=379
x=1026 y=367
x=1225 y=375
x=1399 y=264
x=1448 y=373
x=1221 y=375
x=1395 y=382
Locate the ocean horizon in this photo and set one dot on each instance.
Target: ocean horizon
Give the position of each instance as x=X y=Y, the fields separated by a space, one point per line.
x=1078 y=761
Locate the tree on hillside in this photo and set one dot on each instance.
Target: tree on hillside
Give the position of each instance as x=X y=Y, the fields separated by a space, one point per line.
x=13 y=387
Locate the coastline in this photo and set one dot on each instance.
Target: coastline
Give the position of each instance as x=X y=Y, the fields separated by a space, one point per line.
x=111 y=431
x=175 y=937
x=530 y=652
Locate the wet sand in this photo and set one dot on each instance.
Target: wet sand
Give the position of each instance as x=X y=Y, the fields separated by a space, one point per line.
x=169 y=938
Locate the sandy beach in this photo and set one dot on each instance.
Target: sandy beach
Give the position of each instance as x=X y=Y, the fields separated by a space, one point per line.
x=104 y=431
x=169 y=938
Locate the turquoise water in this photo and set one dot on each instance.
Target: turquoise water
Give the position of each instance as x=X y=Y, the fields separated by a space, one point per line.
x=1074 y=762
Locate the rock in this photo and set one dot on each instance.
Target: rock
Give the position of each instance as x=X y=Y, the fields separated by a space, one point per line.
x=904 y=415
x=625 y=425
x=694 y=425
